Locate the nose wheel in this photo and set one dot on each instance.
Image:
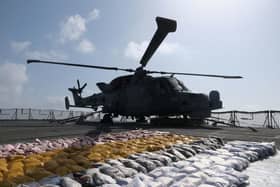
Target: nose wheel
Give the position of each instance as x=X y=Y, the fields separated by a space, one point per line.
x=141 y=120
x=107 y=118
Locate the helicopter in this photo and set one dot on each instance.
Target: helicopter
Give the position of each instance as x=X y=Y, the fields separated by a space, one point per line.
x=139 y=95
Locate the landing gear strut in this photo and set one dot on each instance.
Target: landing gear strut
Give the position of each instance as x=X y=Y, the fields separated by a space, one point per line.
x=105 y=124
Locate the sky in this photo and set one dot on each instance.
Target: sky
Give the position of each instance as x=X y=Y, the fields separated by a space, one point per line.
x=233 y=37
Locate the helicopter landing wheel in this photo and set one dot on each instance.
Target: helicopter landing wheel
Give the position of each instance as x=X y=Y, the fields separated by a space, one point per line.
x=107 y=118
x=141 y=120
x=185 y=116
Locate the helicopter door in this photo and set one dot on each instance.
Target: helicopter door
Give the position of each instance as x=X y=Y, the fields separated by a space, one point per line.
x=137 y=100
x=161 y=98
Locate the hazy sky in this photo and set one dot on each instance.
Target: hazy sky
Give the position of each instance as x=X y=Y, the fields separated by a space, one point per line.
x=234 y=37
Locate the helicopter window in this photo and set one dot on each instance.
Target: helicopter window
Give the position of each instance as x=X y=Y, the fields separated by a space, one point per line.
x=182 y=85
x=163 y=86
x=177 y=85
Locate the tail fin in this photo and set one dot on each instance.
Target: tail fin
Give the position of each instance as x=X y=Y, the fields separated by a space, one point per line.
x=77 y=94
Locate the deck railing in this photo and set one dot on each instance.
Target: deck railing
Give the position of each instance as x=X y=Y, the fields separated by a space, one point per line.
x=266 y=118
x=37 y=114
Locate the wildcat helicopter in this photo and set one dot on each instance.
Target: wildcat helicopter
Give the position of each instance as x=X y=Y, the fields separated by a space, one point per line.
x=139 y=95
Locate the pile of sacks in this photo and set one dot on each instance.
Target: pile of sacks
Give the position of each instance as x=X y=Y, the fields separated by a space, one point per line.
x=121 y=149
x=202 y=163
x=38 y=146
x=41 y=146
x=17 y=169
x=134 y=158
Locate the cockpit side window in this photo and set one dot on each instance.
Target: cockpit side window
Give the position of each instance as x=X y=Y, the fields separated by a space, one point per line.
x=182 y=85
x=177 y=85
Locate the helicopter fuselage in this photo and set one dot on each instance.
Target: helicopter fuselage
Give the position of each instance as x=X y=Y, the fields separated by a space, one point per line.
x=149 y=96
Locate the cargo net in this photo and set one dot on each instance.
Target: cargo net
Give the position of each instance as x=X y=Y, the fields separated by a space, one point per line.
x=260 y=119
x=37 y=114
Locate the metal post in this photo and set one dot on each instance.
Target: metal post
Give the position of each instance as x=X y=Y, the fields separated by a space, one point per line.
x=16 y=114
x=232 y=119
x=267 y=120
x=71 y=114
x=29 y=114
x=273 y=120
x=51 y=116
x=270 y=120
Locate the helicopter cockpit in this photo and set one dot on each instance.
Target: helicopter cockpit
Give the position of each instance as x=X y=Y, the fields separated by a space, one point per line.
x=168 y=85
x=177 y=85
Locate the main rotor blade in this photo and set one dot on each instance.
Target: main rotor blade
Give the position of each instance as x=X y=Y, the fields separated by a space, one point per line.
x=196 y=74
x=164 y=27
x=80 y=65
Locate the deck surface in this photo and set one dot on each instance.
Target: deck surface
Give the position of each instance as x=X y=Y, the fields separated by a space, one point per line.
x=22 y=131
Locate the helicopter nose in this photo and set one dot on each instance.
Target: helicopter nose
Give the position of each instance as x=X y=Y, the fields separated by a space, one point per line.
x=195 y=105
x=194 y=100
